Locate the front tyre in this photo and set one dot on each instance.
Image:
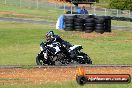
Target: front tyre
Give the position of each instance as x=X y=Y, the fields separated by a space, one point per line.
x=39 y=60
x=88 y=60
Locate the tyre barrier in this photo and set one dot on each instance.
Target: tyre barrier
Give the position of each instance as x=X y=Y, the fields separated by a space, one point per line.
x=107 y=24
x=122 y=19
x=87 y=23
x=99 y=24
x=69 y=22
x=78 y=24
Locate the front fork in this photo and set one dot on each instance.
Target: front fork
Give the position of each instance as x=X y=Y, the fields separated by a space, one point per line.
x=45 y=55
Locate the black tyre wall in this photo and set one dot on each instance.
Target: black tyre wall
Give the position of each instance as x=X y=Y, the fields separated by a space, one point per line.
x=99 y=20
x=89 y=20
x=78 y=24
x=69 y=22
x=107 y=24
x=87 y=23
x=99 y=29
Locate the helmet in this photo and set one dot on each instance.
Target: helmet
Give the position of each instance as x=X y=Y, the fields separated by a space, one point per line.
x=49 y=35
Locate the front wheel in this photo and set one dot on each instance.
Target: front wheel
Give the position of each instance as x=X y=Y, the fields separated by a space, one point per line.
x=39 y=60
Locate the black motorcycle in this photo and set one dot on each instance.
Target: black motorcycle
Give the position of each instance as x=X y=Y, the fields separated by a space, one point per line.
x=56 y=54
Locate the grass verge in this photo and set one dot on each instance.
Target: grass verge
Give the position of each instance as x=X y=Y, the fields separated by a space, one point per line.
x=122 y=23
x=71 y=84
x=47 y=13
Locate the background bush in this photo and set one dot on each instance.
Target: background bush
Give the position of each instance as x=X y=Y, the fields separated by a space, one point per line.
x=121 y=4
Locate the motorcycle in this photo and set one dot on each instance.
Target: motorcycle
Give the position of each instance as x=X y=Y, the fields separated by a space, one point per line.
x=56 y=54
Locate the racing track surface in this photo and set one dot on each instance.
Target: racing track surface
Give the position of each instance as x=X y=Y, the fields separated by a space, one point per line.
x=46 y=22
x=44 y=74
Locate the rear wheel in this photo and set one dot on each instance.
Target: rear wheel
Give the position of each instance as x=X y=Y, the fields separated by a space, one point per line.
x=88 y=60
x=84 y=59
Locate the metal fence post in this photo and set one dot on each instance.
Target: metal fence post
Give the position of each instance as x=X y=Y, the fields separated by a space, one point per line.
x=55 y=6
x=71 y=8
x=37 y=4
x=117 y=13
x=64 y=8
x=94 y=10
x=105 y=11
x=20 y=3
x=129 y=13
x=5 y=2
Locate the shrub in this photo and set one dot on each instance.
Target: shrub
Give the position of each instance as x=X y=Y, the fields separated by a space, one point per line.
x=121 y=4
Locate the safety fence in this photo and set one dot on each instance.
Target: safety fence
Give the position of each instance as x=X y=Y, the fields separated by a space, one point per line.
x=42 y=4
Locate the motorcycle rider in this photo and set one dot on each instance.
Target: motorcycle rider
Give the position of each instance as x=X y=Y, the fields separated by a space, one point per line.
x=51 y=37
x=69 y=55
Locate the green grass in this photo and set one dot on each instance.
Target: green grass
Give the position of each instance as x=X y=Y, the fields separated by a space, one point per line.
x=103 y=3
x=14 y=48
x=122 y=23
x=71 y=84
x=47 y=13
x=20 y=44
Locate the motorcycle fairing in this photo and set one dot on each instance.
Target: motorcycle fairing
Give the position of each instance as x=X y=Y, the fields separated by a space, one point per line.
x=79 y=47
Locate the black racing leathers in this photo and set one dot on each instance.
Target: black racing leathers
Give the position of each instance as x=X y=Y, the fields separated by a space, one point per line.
x=57 y=38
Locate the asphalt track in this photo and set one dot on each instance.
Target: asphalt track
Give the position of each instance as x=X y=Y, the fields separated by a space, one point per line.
x=46 y=22
x=25 y=21
x=66 y=66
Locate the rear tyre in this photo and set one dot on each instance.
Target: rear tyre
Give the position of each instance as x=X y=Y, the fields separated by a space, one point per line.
x=85 y=60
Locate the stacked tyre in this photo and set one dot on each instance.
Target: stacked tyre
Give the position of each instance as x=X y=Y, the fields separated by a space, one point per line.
x=69 y=22
x=99 y=25
x=89 y=25
x=78 y=24
x=122 y=18
x=107 y=23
